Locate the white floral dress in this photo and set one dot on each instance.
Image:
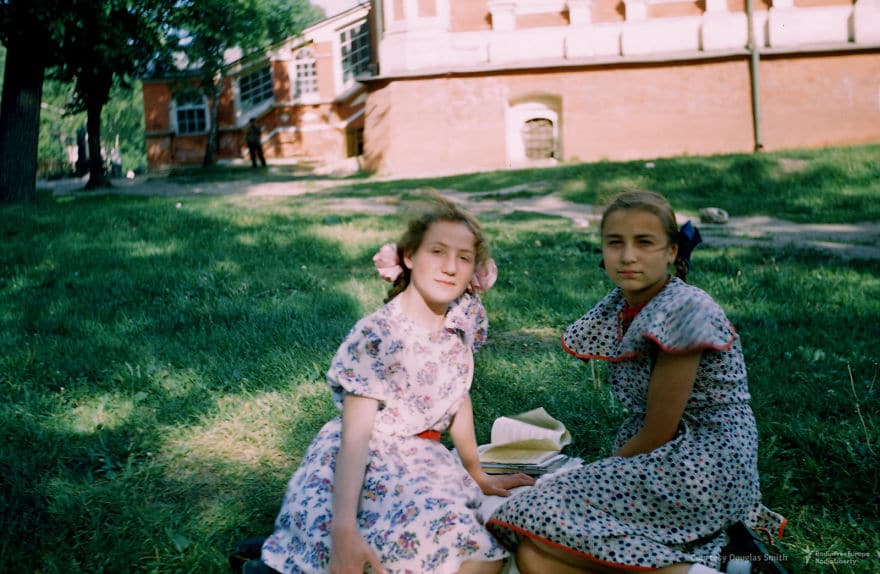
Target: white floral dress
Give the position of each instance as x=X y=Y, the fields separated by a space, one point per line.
x=419 y=508
x=672 y=504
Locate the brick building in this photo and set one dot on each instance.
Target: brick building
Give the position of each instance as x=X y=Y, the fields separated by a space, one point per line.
x=302 y=92
x=465 y=85
x=484 y=84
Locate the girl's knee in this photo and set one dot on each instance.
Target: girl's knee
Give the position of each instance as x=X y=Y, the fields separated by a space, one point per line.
x=534 y=557
x=478 y=567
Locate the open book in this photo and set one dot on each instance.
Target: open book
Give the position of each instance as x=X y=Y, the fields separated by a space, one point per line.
x=527 y=442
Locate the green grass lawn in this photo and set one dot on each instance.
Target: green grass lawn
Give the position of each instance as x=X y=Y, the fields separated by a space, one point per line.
x=834 y=185
x=163 y=365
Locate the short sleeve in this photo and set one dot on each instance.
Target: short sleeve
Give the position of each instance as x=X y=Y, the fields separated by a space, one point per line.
x=695 y=323
x=467 y=316
x=595 y=335
x=680 y=319
x=365 y=361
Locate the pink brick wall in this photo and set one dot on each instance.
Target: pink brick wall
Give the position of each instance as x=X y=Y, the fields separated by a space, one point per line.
x=820 y=100
x=426 y=128
x=442 y=125
x=379 y=114
x=469 y=16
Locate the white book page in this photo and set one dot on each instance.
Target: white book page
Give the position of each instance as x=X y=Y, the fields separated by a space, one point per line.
x=532 y=437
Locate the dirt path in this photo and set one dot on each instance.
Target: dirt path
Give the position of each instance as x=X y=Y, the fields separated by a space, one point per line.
x=850 y=241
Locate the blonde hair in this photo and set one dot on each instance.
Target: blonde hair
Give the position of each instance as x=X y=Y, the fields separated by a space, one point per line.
x=435 y=208
x=654 y=203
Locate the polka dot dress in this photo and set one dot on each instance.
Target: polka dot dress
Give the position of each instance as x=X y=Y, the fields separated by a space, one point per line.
x=673 y=504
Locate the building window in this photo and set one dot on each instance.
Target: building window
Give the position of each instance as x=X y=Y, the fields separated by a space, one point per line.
x=356 y=56
x=306 y=82
x=255 y=88
x=533 y=136
x=191 y=113
x=538 y=140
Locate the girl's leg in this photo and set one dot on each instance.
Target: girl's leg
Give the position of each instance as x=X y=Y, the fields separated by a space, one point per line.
x=480 y=567
x=683 y=568
x=537 y=558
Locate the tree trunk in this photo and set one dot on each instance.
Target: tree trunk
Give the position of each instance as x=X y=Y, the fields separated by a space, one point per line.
x=98 y=93
x=96 y=159
x=214 y=129
x=20 y=114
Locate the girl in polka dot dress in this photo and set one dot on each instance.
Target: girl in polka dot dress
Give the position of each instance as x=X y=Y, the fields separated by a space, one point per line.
x=684 y=465
x=377 y=488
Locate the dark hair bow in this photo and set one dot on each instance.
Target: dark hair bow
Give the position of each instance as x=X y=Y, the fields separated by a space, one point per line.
x=688 y=238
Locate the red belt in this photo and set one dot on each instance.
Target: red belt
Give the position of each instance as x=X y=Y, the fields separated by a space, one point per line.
x=430 y=435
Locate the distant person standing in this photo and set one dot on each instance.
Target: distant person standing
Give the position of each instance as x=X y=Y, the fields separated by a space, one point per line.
x=255 y=143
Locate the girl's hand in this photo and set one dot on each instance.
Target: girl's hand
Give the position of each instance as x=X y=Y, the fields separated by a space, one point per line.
x=351 y=552
x=499 y=484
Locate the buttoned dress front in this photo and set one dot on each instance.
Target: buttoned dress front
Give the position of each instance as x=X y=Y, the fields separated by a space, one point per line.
x=419 y=508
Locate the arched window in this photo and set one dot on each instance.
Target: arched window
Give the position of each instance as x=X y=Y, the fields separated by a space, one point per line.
x=305 y=74
x=533 y=130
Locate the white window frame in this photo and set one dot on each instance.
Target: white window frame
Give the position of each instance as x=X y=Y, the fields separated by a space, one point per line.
x=196 y=102
x=347 y=38
x=267 y=90
x=520 y=112
x=305 y=85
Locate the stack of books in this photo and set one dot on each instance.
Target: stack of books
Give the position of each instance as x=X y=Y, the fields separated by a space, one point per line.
x=530 y=442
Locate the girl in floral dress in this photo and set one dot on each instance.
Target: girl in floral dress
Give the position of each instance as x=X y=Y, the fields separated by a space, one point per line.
x=376 y=489
x=684 y=465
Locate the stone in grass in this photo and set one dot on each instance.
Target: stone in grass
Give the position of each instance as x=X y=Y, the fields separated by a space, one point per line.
x=713 y=215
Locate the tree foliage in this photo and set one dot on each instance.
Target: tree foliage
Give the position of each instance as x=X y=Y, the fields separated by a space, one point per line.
x=93 y=44
x=211 y=29
x=111 y=42
x=285 y=18
x=122 y=125
x=98 y=48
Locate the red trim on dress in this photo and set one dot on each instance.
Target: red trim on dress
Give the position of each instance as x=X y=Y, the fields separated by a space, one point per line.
x=781 y=528
x=616 y=359
x=724 y=347
x=671 y=351
x=590 y=557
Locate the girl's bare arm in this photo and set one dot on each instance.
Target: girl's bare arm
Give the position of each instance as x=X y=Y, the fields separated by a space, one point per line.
x=465 y=439
x=349 y=550
x=671 y=383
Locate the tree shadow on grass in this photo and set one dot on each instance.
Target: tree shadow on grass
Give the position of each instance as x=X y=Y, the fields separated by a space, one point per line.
x=165 y=366
x=139 y=331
